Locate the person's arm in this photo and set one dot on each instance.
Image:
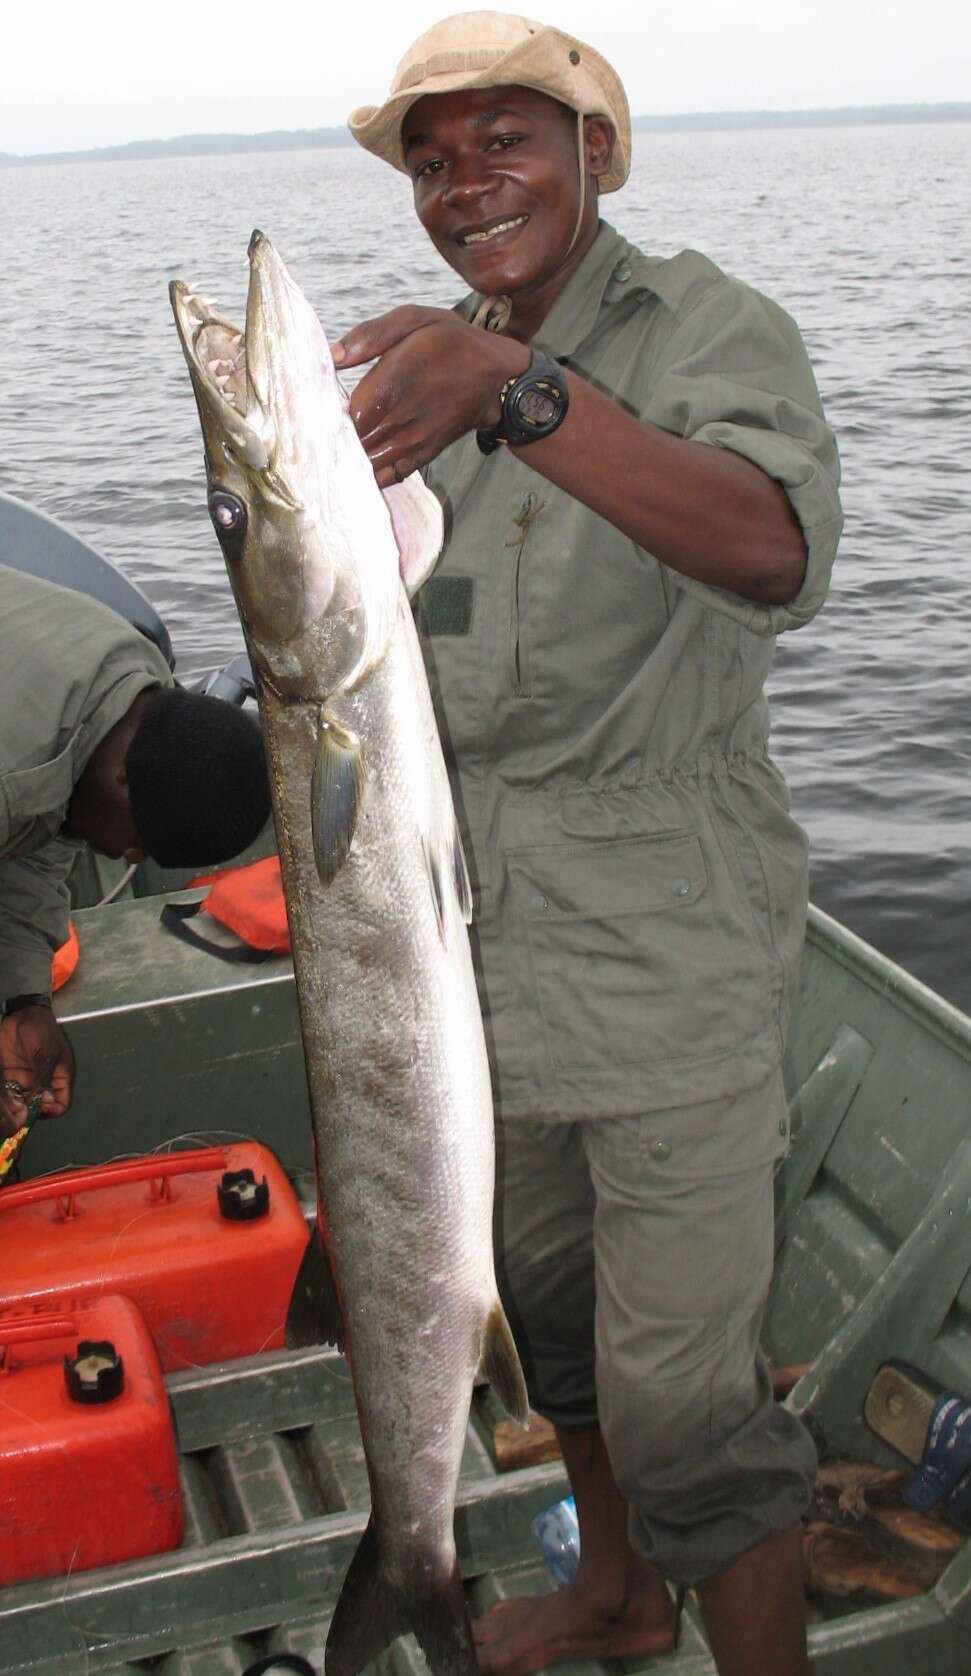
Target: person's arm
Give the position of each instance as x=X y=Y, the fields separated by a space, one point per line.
x=707 y=512
x=35 y=1054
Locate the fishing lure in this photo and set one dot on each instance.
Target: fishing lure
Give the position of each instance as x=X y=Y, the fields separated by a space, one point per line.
x=10 y=1148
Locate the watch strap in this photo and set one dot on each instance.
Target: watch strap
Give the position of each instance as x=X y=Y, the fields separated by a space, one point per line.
x=491 y=437
x=15 y=1003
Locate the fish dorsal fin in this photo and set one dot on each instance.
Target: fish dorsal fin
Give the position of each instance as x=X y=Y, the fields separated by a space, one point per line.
x=419 y=528
x=500 y=1365
x=315 y=1315
x=335 y=796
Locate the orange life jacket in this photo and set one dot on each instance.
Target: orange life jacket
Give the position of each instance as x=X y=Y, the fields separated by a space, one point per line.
x=65 y=959
x=249 y=900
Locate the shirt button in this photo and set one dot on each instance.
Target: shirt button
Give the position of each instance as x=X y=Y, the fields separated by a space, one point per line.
x=622 y=272
x=782 y=1126
x=539 y=902
x=661 y=1151
x=682 y=887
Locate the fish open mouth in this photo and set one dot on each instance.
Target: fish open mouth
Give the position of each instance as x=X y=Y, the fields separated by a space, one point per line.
x=216 y=347
x=258 y=389
x=215 y=350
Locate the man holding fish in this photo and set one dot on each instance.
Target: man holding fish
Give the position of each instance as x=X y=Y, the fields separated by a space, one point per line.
x=641 y=491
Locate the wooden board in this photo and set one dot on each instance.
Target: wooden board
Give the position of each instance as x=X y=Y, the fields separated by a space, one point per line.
x=514 y=1446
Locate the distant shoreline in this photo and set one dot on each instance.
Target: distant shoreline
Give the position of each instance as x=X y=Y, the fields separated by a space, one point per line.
x=319 y=139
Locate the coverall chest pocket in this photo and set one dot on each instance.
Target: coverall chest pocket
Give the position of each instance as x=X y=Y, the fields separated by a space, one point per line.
x=621 y=954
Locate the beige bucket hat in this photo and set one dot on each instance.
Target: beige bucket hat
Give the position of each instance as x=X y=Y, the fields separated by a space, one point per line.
x=494 y=49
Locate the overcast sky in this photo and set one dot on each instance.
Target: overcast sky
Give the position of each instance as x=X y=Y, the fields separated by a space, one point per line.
x=106 y=71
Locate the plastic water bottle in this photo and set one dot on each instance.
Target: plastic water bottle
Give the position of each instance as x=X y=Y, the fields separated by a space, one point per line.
x=558 y=1534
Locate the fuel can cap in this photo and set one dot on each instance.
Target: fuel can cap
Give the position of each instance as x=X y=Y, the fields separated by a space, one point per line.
x=241 y=1197
x=96 y=1373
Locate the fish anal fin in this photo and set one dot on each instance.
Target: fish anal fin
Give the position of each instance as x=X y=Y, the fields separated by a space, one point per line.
x=371 y=1613
x=335 y=797
x=315 y=1315
x=500 y=1365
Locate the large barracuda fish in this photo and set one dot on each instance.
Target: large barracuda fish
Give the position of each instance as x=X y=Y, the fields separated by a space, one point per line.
x=400 y=1271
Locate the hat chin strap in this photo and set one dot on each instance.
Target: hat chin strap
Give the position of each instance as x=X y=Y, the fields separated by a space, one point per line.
x=494 y=313
x=581 y=164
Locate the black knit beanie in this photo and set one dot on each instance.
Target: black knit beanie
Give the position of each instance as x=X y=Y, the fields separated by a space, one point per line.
x=196 y=779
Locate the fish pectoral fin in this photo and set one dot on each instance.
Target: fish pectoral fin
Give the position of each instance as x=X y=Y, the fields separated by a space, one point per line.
x=315 y=1315
x=419 y=529
x=335 y=796
x=500 y=1365
x=371 y=1613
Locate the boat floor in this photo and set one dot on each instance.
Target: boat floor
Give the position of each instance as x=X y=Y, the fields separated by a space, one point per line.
x=276 y=1496
x=873 y=1263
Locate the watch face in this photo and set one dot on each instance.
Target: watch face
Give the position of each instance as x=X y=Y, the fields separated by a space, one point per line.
x=536 y=407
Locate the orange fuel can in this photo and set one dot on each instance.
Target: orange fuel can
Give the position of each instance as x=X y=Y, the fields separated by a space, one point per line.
x=206 y=1242
x=88 y=1468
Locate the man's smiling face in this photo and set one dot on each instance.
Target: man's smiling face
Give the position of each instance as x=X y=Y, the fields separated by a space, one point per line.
x=497 y=185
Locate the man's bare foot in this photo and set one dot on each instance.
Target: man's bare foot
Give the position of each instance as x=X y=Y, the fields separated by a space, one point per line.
x=530 y=1632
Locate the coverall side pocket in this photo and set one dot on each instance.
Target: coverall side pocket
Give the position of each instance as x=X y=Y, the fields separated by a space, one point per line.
x=625 y=958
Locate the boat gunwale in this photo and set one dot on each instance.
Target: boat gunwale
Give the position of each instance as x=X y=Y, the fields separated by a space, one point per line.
x=891 y=982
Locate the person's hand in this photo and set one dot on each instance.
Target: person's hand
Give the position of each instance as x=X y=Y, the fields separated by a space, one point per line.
x=35 y=1057
x=436 y=378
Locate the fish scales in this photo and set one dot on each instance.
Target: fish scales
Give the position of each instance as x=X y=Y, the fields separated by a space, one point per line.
x=405 y=1159
x=401 y=1269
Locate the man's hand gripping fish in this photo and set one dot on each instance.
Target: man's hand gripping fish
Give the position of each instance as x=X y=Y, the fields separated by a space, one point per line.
x=401 y=1269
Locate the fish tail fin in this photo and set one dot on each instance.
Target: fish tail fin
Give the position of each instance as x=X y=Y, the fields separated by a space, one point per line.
x=370 y=1614
x=315 y=1315
x=500 y=1365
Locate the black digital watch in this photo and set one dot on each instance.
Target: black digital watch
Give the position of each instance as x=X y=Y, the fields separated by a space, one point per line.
x=531 y=405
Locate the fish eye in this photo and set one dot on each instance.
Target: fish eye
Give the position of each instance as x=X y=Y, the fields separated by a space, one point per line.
x=227 y=513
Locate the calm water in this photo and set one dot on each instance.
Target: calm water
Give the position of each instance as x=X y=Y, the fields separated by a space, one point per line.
x=864 y=234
